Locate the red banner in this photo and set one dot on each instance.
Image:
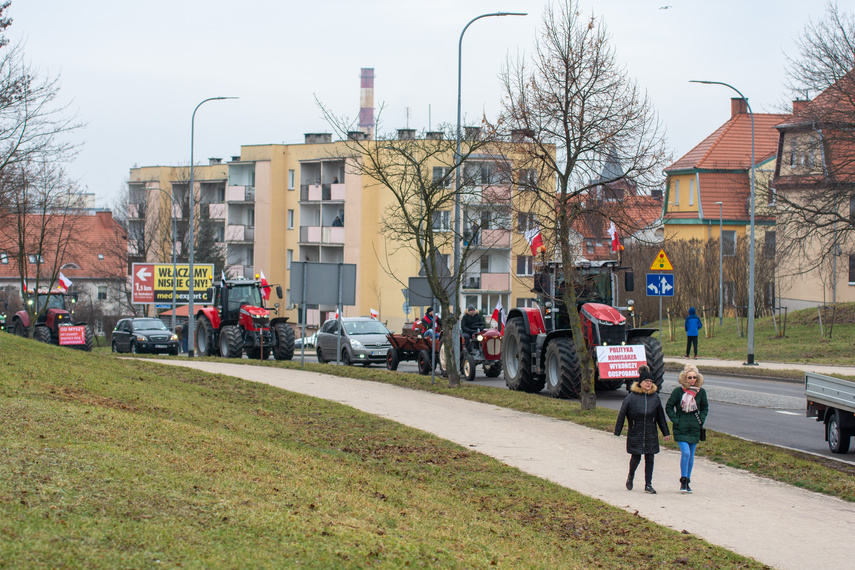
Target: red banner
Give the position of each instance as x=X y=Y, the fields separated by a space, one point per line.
x=620 y=361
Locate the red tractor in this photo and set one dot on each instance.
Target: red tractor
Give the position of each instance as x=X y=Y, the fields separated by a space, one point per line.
x=484 y=348
x=238 y=322
x=54 y=322
x=538 y=348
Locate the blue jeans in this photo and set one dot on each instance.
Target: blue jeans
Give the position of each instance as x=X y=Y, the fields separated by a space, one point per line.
x=430 y=334
x=687 y=458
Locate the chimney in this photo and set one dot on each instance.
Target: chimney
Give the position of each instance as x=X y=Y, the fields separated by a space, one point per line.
x=472 y=133
x=213 y=161
x=312 y=138
x=519 y=135
x=406 y=134
x=357 y=136
x=738 y=106
x=236 y=158
x=799 y=106
x=366 y=101
x=434 y=135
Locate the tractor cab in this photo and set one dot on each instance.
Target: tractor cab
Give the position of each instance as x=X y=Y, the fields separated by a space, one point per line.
x=237 y=294
x=51 y=307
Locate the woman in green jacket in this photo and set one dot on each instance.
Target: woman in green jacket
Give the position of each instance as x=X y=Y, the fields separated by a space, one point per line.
x=688 y=407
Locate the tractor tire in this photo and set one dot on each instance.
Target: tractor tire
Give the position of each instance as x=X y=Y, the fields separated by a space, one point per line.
x=468 y=368
x=424 y=362
x=20 y=329
x=493 y=370
x=204 y=337
x=563 y=373
x=230 y=342
x=88 y=339
x=517 y=358
x=42 y=334
x=655 y=359
x=283 y=342
x=392 y=359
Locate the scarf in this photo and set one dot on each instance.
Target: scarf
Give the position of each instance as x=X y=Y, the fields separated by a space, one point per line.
x=688 y=404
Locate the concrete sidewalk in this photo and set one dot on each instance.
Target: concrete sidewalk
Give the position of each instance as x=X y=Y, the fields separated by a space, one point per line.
x=776 y=524
x=708 y=363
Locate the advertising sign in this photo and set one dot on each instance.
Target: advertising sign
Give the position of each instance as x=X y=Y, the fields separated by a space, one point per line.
x=620 y=361
x=72 y=335
x=152 y=283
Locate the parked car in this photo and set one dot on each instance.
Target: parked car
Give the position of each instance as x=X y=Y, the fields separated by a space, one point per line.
x=144 y=335
x=306 y=341
x=363 y=341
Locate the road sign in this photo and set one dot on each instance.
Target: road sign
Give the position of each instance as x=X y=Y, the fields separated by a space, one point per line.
x=660 y=285
x=152 y=283
x=661 y=263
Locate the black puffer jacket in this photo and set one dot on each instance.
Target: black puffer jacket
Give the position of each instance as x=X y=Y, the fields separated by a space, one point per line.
x=643 y=411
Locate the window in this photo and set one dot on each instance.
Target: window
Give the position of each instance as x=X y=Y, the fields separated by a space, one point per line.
x=102 y=292
x=35 y=258
x=676 y=192
x=525 y=265
x=290 y=219
x=769 y=245
x=100 y=256
x=526 y=222
x=728 y=238
x=4 y=258
x=526 y=302
x=852 y=269
x=527 y=180
x=589 y=246
x=291 y=178
x=728 y=293
x=691 y=192
x=441 y=175
x=289 y=258
x=851 y=211
x=442 y=221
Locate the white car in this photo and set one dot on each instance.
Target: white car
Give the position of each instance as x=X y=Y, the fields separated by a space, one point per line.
x=306 y=341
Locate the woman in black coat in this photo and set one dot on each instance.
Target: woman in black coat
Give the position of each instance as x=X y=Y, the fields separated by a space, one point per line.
x=643 y=410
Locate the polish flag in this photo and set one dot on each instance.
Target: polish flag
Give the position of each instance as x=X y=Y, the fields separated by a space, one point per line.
x=265 y=288
x=534 y=239
x=64 y=281
x=613 y=233
x=337 y=316
x=374 y=313
x=499 y=316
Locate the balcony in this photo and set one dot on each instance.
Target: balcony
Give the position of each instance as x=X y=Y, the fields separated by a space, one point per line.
x=322 y=192
x=240 y=194
x=322 y=234
x=240 y=271
x=136 y=211
x=237 y=233
x=217 y=211
x=496 y=195
x=499 y=282
x=496 y=239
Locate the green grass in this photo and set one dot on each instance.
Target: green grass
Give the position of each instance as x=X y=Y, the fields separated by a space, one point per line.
x=115 y=463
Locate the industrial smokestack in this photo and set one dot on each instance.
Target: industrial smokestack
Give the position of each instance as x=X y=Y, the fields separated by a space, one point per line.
x=366 y=101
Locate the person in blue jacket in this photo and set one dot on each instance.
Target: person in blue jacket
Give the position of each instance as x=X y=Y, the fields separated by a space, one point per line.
x=693 y=326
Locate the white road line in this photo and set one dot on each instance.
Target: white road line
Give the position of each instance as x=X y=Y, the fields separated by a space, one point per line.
x=785 y=412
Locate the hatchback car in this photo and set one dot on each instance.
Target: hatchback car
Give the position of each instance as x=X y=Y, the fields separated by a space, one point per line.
x=144 y=335
x=363 y=341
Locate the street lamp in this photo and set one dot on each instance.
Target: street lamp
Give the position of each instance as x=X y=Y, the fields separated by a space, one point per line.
x=457 y=161
x=190 y=320
x=750 y=358
x=720 y=272
x=174 y=237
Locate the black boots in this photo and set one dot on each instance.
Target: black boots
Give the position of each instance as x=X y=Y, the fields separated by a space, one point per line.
x=649 y=489
x=688 y=489
x=629 y=482
x=684 y=485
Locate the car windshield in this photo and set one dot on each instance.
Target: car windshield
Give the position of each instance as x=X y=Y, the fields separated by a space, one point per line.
x=364 y=327
x=152 y=325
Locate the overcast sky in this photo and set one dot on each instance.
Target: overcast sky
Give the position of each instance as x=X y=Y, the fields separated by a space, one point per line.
x=134 y=71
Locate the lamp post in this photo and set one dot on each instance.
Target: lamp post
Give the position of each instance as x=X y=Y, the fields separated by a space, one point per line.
x=192 y=246
x=750 y=357
x=174 y=237
x=720 y=266
x=457 y=162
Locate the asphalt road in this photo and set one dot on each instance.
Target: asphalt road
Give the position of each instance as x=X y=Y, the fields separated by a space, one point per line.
x=765 y=411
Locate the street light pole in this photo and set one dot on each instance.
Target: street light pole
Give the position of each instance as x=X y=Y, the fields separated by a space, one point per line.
x=750 y=357
x=457 y=293
x=720 y=267
x=174 y=237
x=191 y=323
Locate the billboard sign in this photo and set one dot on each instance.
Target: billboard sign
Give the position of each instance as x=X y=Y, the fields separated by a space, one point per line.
x=152 y=283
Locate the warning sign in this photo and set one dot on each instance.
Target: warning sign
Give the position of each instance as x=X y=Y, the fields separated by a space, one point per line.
x=661 y=263
x=620 y=361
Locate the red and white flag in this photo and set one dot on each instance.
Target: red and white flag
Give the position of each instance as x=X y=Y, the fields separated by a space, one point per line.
x=64 y=281
x=375 y=314
x=337 y=316
x=534 y=239
x=613 y=233
x=499 y=316
x=265 y=288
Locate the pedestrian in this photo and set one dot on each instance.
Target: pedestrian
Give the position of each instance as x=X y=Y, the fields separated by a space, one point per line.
x=185 y=329
x=180 y=334
x=688 y=407
x=642 y=409
x=693 y=325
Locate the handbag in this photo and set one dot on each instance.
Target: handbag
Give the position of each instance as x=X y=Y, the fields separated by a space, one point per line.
x=703 y=429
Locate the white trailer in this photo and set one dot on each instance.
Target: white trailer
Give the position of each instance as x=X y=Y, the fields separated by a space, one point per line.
x=832 y=401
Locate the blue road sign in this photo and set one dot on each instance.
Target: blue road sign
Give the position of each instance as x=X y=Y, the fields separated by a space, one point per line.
x=660 y=285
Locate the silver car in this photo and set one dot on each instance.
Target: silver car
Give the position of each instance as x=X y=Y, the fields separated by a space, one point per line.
x=363 y=342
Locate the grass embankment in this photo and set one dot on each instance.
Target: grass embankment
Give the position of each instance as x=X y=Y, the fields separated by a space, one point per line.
x=114 y=463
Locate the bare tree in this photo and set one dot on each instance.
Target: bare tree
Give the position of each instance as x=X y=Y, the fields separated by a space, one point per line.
x=576 y=112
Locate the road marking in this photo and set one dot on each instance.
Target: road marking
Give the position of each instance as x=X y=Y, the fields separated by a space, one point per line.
x=788 y=413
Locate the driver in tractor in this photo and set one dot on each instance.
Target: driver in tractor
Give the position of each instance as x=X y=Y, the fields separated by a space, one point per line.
x=471 y=324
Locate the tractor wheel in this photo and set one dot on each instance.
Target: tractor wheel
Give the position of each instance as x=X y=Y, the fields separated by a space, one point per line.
x=493 y=370
x=88 y=338
x=517 y=358
x=283 y=342
x=563 y=373
x=42 y=334
x=424 y=362
x=655 y=360
x=392 y=359
x=20 y=329
x=230 y=342
x=468 y=368
x=204 y=337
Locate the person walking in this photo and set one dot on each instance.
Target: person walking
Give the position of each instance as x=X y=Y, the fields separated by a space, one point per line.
x=688 y=408
x=642 y=409
x=693 y=325
x=185 y=330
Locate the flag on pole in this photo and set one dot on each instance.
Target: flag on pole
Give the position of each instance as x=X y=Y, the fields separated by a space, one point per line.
x=64 y=281
x=613 y=233
x=223 y=279
x=534 y=239
x=337 y=316
x=374 y=314
x=26 y=288
x=499 y=316
x=265 y=288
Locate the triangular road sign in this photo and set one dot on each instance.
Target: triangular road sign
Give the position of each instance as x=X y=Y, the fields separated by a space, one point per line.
x=661 y=263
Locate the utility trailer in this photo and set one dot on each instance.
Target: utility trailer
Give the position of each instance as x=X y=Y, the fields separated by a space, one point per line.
x=832 y=401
